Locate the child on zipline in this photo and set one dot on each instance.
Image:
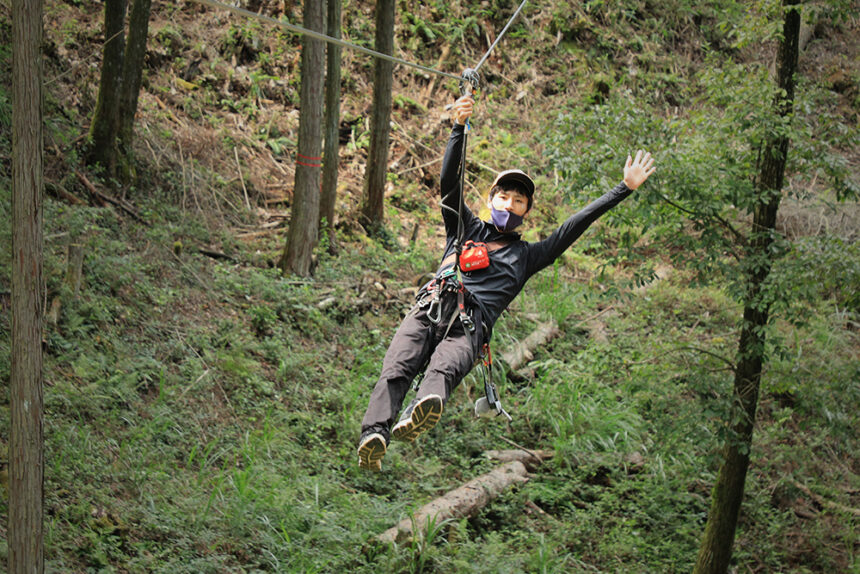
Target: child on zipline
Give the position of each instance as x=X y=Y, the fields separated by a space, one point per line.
x=451 y=321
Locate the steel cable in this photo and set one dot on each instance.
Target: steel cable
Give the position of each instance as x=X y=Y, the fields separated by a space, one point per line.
x=320 y=36
x=502 y=33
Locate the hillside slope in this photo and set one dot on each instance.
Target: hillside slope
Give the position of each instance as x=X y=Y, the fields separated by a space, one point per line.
x=202 y=410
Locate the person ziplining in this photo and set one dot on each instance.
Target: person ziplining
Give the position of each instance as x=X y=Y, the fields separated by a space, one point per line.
x=484 y=266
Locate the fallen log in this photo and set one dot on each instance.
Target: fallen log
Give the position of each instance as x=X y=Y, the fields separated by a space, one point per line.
x=463 y=501
x=523 y=352
x=215 y=254
x=531 y=459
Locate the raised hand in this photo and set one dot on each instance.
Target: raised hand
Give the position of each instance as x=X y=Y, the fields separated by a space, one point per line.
x=463 y=108
x=637 y=170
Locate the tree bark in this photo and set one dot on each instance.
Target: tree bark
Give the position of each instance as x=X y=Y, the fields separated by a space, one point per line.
x=518 y=355
x=531 y=459
x=105 y=124
x=463 y=501
x=304 y=220
x=26 y=462
x=372 y=212
x=328 y=199
x=715 y=551
x=132 y=72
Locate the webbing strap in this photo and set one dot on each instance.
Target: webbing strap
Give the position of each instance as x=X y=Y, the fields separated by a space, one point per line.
x=494 y=403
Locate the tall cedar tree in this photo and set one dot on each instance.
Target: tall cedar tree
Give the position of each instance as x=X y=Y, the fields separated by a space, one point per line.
x=328 y=198
x=372 y=213
x=26 y=440
x=304 y=215
x=716 y=548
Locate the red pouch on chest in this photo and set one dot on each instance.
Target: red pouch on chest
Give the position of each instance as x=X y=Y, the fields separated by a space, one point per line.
x=474 y=256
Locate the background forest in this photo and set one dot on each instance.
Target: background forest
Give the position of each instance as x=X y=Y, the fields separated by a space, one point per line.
x=202 y=409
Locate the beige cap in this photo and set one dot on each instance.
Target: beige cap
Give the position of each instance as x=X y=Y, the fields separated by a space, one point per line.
x=518 y=176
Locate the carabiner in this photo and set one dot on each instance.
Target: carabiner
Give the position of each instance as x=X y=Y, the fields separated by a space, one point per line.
x=435 y=305
x=469 y=82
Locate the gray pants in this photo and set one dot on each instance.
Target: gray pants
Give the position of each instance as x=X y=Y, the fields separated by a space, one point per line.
x=417 y=341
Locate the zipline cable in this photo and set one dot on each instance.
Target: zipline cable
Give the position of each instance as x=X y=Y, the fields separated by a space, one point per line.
x=320 y=36
x=502 y=33
x=469 y=83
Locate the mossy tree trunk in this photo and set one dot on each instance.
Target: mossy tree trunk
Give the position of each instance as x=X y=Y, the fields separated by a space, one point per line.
x=132 y=73
x=328 y=198
x=372 y=212
x=26 y=438
x=105 y=123
x=304 y=218
x=716 y=548
x=112 y=128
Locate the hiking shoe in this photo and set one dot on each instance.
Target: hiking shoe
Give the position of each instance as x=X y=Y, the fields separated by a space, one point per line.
x=371 y=449
x=420 y=416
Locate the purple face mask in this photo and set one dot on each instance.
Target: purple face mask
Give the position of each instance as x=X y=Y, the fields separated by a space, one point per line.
x=505 y=220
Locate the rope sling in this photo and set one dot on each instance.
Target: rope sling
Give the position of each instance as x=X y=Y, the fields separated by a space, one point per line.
x=469 y=82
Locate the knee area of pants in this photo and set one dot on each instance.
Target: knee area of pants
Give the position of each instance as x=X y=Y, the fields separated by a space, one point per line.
x=396 y=380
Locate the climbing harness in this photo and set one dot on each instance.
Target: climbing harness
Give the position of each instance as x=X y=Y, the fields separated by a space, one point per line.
x=446 y=282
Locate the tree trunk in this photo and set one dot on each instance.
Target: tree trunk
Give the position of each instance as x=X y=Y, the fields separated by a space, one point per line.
x=716 y=548
x=26 y=440
x=103 y=131
x=132 y=71
x=331 y=154
x=304 y=220
x=372 y=213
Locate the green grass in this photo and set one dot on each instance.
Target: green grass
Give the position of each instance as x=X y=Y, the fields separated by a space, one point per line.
x=214 y=430
x=202 y=416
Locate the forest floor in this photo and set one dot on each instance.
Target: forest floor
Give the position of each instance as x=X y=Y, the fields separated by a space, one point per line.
x=202 y=409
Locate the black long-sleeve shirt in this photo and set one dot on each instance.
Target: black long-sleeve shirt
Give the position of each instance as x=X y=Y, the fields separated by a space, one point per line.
x=494 y=287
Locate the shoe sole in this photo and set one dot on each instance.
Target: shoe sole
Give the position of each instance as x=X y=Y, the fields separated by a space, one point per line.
x=424 y=417
x=371 y=452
